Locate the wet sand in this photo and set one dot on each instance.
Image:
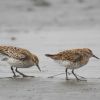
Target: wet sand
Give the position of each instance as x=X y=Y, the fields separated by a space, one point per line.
x=49 y=89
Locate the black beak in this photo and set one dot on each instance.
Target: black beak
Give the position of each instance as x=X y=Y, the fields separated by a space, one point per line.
x=38 y=67
x=95 y=57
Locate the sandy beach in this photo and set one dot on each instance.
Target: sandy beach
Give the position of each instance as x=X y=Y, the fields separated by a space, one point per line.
x=47 y=89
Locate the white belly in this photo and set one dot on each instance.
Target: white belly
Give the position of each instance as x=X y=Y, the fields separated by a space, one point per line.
x=19 y=64
x=68 y=64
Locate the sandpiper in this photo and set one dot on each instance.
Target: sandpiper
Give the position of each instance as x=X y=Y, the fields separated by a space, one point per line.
x=73 y=59
x=18 y=58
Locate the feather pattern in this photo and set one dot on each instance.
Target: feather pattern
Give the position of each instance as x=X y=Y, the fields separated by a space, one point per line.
x=74 y=58
x=14 y=52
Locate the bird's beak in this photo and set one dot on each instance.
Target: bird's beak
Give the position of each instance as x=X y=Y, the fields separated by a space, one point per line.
x=95 y=57
x=38 y=67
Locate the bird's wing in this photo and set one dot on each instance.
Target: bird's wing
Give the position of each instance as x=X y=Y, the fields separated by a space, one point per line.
x=20 y=56
x=14 y=52
x=68 y=55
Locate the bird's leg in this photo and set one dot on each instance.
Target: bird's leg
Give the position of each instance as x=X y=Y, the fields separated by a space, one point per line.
x=66 y=73
x=21 y=73
x=13 y=71
x=75 y=75
x=81 y=76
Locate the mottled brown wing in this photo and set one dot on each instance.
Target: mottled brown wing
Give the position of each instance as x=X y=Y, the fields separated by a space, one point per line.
x=14 y=52
x=20 y=56
x=68 y=55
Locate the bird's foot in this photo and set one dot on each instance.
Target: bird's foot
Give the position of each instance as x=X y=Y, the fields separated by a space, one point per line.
x=27 y=76
x=15 y=76
x=81 y=79
x=67 y=78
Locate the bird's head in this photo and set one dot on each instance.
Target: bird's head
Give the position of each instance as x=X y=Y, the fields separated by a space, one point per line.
x=90 y=53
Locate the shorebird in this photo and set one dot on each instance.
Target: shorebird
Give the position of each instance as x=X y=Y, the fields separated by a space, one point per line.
x=73 y=59
x=18 y=58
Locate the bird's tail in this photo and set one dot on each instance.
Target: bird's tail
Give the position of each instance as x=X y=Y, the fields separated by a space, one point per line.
x=49 y=55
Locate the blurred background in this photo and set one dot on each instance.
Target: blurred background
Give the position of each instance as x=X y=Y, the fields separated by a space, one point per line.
x=50 y=26
x=42 y=14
